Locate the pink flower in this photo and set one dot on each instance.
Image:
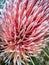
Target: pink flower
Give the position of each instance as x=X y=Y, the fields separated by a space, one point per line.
x=25 y=23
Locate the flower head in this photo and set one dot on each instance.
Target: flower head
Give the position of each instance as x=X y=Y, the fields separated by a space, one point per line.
x=25 y=23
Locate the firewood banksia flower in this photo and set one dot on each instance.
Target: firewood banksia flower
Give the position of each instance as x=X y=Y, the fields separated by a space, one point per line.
x=24 y=29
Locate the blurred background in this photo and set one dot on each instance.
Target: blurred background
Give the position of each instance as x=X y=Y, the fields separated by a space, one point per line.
x=2 y=2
